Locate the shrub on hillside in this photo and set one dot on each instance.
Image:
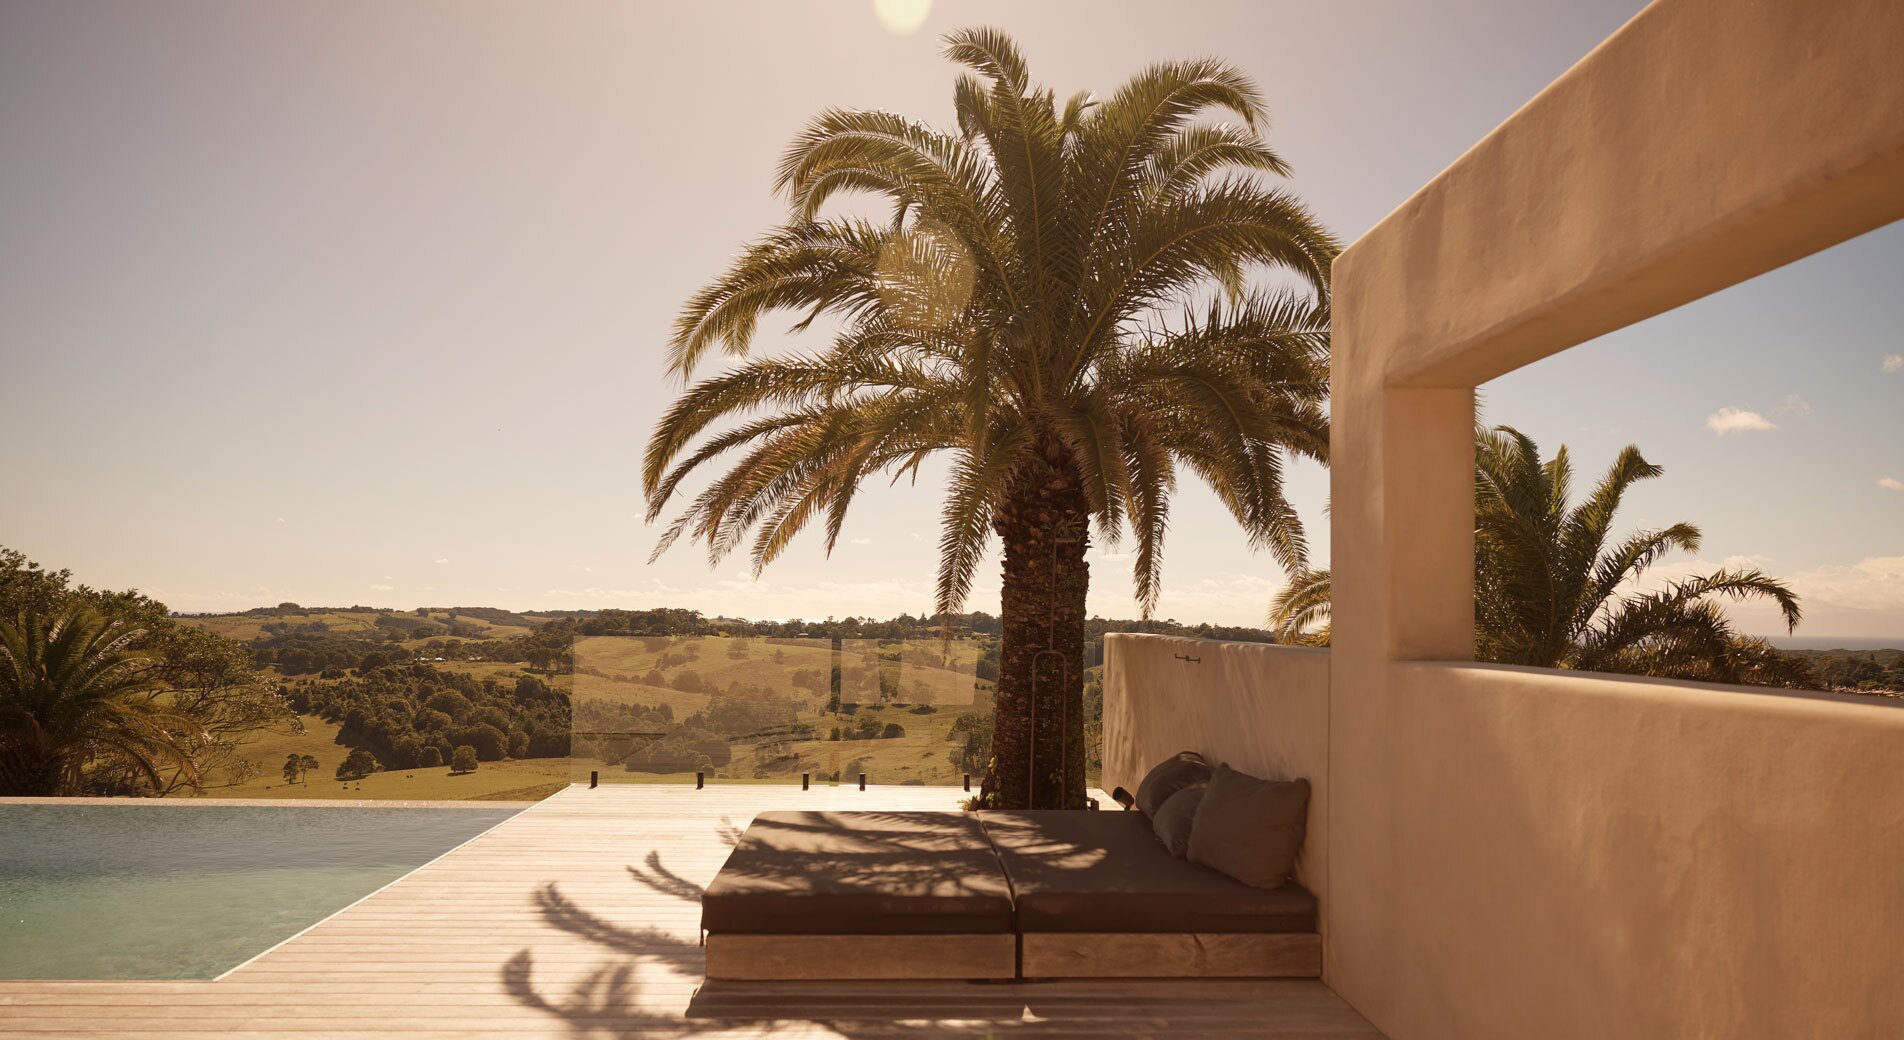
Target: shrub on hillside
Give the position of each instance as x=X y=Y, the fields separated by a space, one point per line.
x=669 y=755
x=489 y=743
x=357 y=765
x=463 y=759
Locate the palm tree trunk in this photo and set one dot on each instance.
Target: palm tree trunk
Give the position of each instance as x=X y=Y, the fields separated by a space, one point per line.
x=1038 y=717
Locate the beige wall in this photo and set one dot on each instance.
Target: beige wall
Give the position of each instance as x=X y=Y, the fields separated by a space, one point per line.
x=1262 y=709
x=1617 y=857
x=1523 y=854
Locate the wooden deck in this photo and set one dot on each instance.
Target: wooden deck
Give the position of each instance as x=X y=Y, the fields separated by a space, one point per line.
x=579 y=918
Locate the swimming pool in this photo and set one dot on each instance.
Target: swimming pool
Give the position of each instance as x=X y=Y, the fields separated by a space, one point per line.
x=184 y=891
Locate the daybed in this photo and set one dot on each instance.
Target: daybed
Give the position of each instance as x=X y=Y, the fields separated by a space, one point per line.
x=1097 y=895
x=860 y=895
x=1037 y=894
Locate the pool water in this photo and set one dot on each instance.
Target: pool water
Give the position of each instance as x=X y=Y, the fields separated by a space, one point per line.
x=91 y=891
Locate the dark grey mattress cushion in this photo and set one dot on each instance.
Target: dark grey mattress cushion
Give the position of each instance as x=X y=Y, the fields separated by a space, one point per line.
x=1172 y=820
x=860 y=873
x=1075 y=871
x=1250 y=828
x=1168 y=777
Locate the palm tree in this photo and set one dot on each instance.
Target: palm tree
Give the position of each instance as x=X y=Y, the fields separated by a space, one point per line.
x=1302 y=612
x=1059 y=302
x=72 y=687
x=1551 y=590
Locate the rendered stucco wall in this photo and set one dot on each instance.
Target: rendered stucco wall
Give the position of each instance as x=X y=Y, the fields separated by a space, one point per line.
x=1263 y=709
x=1522 y=854
x=1601 y=857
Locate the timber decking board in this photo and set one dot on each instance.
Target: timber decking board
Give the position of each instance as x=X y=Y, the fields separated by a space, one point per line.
x=542 y=928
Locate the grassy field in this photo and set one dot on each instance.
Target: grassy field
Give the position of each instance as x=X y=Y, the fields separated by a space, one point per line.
x=923 y=685
x=526 y=780
x=922 y=755
x=246 y=627
x=922 y=671
x=360 y=624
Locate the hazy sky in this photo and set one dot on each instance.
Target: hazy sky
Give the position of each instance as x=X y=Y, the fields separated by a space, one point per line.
x=366 y=302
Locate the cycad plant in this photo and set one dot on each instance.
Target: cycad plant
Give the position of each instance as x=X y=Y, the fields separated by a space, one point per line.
x=1552 y=589
x=1059 y=301
x=73 y=688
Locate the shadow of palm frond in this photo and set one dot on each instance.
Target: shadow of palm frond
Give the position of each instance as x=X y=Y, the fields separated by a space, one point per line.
x=728 y=833
x=604 y=1003
x=666 y=881
x=562 y=913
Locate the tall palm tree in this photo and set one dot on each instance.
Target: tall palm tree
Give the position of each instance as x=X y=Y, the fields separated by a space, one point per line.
x=1059 y=301
x=73 y=687
x=1552 y=590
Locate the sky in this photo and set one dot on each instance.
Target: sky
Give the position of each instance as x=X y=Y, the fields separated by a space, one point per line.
x=367 y=303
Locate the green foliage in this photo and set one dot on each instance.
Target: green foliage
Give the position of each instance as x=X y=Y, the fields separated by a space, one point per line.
x=1552 y=586
x=69 y=682
x=102 y=692
x=397 y=712
x=1856 y=671
x=971 y=734
x=1056 y=300
x=357 y=765
x=1038 y=298
x=429 y=756
x=670 y=755
x=463 y=759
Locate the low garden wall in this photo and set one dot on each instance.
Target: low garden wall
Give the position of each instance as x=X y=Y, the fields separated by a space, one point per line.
x=1263 y=709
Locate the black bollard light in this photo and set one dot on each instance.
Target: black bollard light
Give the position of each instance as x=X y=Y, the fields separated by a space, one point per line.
x=968 y=781
x=862 y=781
x=700 y=780
x=806 y=780
x=594 y=779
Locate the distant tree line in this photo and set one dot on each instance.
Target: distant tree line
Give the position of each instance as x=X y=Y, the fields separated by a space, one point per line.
x=410 y=716
x=1856 y=671
x=104 y=693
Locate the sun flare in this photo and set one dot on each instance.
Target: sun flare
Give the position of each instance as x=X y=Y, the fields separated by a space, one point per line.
x=902 y=17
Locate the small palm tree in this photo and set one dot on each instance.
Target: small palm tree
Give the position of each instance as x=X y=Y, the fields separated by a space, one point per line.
x=1059 y=302
x=1552 y=590
x=1548 y=584
x=73 y=688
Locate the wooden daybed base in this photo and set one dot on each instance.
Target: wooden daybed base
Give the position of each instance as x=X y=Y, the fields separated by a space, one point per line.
x=992 y=896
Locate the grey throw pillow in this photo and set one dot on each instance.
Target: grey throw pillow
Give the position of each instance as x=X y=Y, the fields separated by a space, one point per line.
x=1250 y=829
x=1171 y=775
x=1173 y=819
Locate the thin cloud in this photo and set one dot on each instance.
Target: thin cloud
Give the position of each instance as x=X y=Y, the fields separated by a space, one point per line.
x=862 y=541
x=443 y=559
x=383 y=588
x=1793 y=405
x=1891 y=483
x=1737 y=420
x=1893 y=364
x=281 y=520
